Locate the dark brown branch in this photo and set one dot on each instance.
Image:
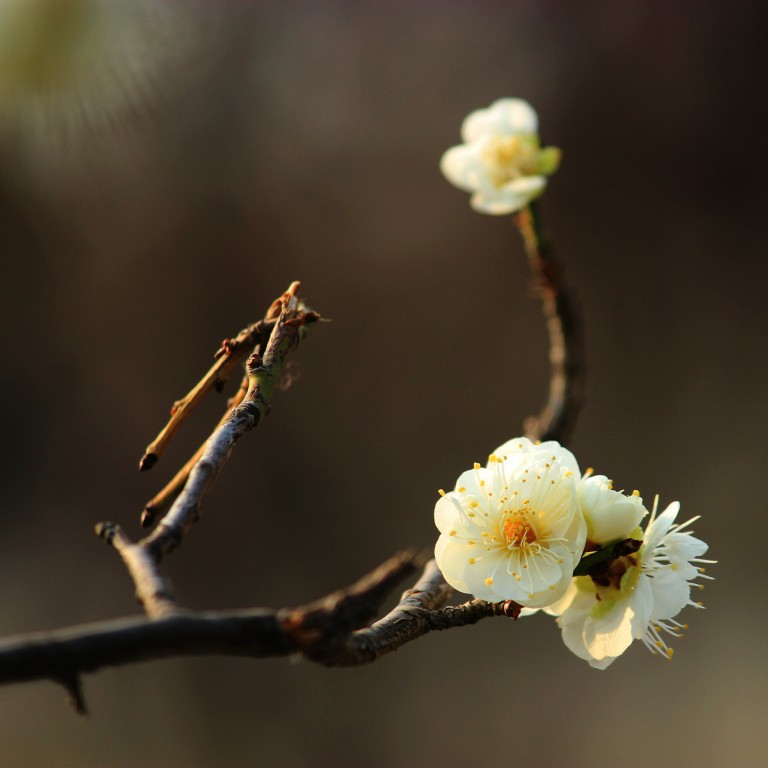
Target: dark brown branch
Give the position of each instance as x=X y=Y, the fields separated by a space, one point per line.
x=325 y=631
x=331 y=631
x=63 y=655
x=420 y=610
x=557 y=417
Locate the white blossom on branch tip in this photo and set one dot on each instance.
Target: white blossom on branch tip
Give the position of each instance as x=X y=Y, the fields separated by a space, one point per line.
x=501 y=161
x=513 y=530
x=634 y=596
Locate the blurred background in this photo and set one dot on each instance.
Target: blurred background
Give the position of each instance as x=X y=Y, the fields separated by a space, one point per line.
x=167 y=168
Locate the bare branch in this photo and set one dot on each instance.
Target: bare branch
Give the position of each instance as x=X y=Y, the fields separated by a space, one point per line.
x=419 y=611
x=230 y=354
x=322 y=631
x=263 y=375
x=153 y=590
x=332 y=631
x=288 y=318
x=161 y=501
x=63 y=655
x=557 y=417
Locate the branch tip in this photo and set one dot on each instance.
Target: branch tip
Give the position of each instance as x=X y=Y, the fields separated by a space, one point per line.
x=106 y=531
x=148 y=460
x=74 y=688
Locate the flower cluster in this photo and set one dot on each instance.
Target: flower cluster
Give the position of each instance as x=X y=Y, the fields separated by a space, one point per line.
x=528 y=527
x=501 y=162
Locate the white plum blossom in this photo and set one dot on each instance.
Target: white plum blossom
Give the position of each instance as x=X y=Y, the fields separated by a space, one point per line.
x=501 y=161
x=513 y=530
x=634 y=596
x=611 y=516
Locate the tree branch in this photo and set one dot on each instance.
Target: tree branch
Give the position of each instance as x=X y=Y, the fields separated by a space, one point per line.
x=263 y=374
x=230 y=354
x=326 y=631
x=153 y=589
x=333 y=631
x=161 y=501
x=557 y=417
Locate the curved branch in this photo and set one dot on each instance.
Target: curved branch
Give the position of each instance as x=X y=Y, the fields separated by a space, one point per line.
x=331 y=631
x=557 y=417
x=420 y=610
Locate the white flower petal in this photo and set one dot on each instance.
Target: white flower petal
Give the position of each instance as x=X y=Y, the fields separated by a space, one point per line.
x=565 y=603
x=452 y=561
x=469 y=482
x=573 y=637
x=510 y=198
x=671 y=593
x=658 y=528
x=683 y=546
x=449 y=514
x=520 y=450
x=610 y=515
x=641 y=602
x=477 y=576
x=464 y=168
x=609 y=633
x=602 y=663
x=506 y=117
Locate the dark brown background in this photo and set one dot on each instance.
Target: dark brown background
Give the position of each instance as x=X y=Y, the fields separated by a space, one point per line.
x=300 y=140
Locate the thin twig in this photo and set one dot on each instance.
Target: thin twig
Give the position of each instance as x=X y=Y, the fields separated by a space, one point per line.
x=142 y=559
x=230 y=354
x=557 y=417
x=161 y=501
x=263 y=375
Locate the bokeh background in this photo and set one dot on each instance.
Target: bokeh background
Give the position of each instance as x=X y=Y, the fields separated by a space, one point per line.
x=167 y=168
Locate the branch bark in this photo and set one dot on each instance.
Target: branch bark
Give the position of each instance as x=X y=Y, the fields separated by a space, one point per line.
x=557 y=417
x=327 y=631
x=263 y=374
x=288 y=318
x=229 y=355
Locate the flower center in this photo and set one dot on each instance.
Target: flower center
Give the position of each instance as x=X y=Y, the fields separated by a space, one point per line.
x=507 y=158
x=620 y=574
x=517 y=530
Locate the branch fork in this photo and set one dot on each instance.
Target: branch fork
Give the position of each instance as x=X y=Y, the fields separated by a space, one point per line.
x=334 y=631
